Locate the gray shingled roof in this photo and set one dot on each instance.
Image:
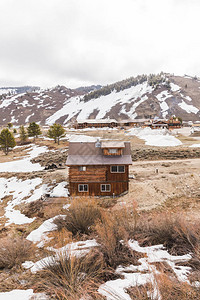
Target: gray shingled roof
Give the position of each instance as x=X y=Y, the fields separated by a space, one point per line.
x=98 y=160
x=94 y=121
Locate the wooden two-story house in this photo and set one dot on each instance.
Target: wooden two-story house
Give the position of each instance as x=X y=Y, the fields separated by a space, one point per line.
x=98 y=168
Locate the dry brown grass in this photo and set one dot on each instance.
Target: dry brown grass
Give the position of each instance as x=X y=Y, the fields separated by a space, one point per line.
x=113 y=233
x=140 y=292
x=171 y=230
x=80 y=216
x=70 y=277
x=14 y=251
x=168 y=288
x=171 y=289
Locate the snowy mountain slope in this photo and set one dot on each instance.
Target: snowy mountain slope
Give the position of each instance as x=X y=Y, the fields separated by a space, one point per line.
x=139 y=101
x=142 y=98
x=18 y=90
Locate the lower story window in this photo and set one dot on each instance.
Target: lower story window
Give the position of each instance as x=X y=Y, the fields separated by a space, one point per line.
x=83 y=187
x=105 y=187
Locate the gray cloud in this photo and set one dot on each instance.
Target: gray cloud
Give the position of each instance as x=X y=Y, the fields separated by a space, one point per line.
x=84 y=42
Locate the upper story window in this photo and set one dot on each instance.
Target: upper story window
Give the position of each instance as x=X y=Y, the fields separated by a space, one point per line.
x=113 y=151
x=117 y=169
x=82 y=168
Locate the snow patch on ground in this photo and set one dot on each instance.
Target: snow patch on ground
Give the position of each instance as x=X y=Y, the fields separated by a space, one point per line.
x=25 y=191
x=144 y=273
x=162 y=97
x=22 y=295
x=73 y=249
x=19 y=190
x=25 y=164
x=156 y=137
x=6 y=102
x=195 y=146
x=174 y=87
x=39 y=235
x=131 y=113
x=60 y=190
x=188 y=108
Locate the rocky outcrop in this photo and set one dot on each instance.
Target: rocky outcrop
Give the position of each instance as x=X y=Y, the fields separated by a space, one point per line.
x=162 y=153
x=52 y=159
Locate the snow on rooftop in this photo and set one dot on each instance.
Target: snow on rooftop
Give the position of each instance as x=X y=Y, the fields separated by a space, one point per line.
x=96 y=121
x=155 y=137
x=82 y=138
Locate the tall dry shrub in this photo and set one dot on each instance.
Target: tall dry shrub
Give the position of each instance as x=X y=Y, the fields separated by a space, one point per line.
x=173 y=231
x=14 y=251
x=81 y=215
x=112 y=231
x=69 y=277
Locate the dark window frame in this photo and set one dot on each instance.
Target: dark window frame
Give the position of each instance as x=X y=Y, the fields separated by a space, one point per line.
x=82 y=168
x=110 y=150
x=83 y=190
x=106 y=185
x=117 y=171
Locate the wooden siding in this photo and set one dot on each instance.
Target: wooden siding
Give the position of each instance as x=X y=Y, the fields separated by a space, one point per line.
x=94 y=189
x=106 y=152
x=92 y=174
x=117 y=176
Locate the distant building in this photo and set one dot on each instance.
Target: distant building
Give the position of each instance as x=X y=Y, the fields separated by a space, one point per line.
x=195 y=127
x=99 y=168
x=135 y=122
x=97 y=123
x=174 y=123
x=159 y=123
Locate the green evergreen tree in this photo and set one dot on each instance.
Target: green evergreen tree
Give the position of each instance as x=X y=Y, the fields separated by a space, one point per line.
x=23 y=134
x=9 y=125
x=55 y=132
x=34 y=130
x=7 y=140
x=14 y=130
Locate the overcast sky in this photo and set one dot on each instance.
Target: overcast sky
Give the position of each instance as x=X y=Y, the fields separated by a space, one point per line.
x=81 y=42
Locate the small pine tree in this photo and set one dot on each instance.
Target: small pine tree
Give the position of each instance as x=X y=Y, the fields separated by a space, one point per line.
x=55 y=132
x=7 y=140
x=23 y=134
x=9 y=125
x=14 y=130
x=34 y=130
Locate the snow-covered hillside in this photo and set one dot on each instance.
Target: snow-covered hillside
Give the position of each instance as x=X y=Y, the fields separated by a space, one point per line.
x=175 y=95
